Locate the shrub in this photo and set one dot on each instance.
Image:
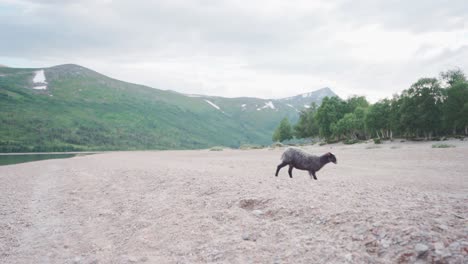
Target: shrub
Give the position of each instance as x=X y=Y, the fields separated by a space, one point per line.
x=377 y=141
x=440 y=145
x=277 y=145
x=250 y=146
x=217 y=148
x=350 y=141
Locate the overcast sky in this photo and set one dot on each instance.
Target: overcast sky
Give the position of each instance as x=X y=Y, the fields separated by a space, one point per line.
x=267 y=49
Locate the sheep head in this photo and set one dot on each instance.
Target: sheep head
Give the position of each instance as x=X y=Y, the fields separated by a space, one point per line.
x=331 y=157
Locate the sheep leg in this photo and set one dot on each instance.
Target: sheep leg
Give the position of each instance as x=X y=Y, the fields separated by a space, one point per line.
x=290 y=171
x=279 y=167
x=312 y=174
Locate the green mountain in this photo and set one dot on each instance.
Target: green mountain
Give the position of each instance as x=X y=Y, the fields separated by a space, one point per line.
x=69 y=107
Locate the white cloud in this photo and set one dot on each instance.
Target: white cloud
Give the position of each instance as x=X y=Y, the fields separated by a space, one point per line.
x=266 y=49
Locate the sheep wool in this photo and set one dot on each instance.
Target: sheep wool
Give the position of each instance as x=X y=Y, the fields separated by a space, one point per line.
x=301 y=160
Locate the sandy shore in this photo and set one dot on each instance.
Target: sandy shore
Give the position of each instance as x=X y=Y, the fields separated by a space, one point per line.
x=399 y=202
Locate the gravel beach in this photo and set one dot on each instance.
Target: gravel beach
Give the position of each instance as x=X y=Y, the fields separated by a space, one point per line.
x=389 y=203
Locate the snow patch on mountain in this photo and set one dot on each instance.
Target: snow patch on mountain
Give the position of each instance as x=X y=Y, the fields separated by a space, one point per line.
x=39 y=77
x=39 y=80
x=268 y=104
x=212 y=104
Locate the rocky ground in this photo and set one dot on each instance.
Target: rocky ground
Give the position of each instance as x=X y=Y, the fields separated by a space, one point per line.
x=391 y=203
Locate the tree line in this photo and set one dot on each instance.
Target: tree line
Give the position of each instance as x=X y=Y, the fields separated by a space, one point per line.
x=431 y=107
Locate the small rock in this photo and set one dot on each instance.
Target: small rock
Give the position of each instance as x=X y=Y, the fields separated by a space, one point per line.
x=361 y=229
x=446 y=253
x=349 y=257
x=277 y=260
x=257 y=212
x=386 y=243
x=144 y=259
x=421 y=248
x=454 y=246
x=77 y=260
x=382 y=234
x=438 y=246
x=132 y=259
x=247 y=236
x=443 y=227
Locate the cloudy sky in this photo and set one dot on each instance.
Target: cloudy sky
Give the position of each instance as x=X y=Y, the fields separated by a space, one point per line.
x=267 y=49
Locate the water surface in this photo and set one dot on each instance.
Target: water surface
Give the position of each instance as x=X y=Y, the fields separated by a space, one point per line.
x=21 y=158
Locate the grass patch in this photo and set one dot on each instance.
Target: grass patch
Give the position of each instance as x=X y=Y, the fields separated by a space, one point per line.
x=377 y=141
x=217 y=148
x=277 y=145
x=350 y=141
x=250 y=146
x=442 y=145
x=373 y=147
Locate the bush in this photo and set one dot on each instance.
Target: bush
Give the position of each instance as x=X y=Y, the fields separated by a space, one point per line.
x=332 y=141
x=377 y=141
x=250 y=146
x=439 y=145
x=217 y=148
x=351 y=141
x=322 y=143
x=277 y=145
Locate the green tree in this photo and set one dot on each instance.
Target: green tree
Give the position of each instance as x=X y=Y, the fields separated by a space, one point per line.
x=354 y=102
x=306 y=126
x=456 y=107
x=346 y=126
x=378 y=118
x=352 y=125
x=330 y=111
x=283 y=131
x=451 y=77
x=421 y=107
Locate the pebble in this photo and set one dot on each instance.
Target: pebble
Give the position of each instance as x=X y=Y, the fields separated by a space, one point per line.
x=247 y=236
x=257 y=212
x=132 y=259
x=361 y=229
x=421 y=248
x=454 y=246
x=443 y=227
x=77 y=260
x=438 y=246
x=386 y=243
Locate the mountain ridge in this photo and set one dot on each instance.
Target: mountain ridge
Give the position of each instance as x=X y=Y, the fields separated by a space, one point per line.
x=75 y=108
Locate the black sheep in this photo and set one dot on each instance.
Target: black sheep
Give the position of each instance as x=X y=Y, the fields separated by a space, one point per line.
x=301 y=160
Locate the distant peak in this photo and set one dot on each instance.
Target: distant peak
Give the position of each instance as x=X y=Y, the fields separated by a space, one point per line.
x=69 y=66
x=320 y=93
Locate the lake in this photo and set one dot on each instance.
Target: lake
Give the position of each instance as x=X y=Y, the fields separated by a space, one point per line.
x=21 y=158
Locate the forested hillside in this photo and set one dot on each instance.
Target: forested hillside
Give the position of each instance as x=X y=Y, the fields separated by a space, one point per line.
x=431 y=107
x=69 y=107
